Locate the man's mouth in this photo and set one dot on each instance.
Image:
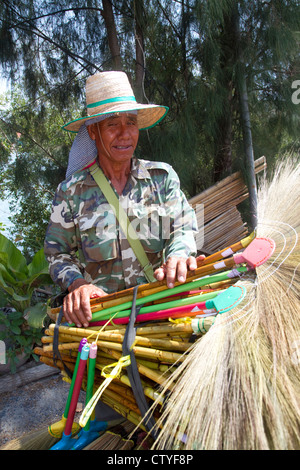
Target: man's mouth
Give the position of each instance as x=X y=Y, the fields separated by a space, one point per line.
x=123 y=147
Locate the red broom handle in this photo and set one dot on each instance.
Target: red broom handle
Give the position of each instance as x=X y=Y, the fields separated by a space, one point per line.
x=77 y=387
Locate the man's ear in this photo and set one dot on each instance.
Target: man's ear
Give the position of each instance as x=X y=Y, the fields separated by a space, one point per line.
x=91 y=131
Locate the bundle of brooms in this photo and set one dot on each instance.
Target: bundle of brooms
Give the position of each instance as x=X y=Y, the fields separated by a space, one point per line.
x=167 y=321
x=235 y=386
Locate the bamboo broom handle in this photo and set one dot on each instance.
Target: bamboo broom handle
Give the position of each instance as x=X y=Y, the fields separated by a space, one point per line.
x=123 y=378
x=41 y=352
x=121 y=399
x=67 y=346
x=49 y=361
x=123 y=411
x=151 y=291
x=103 y=313
x=161 y=285
x=62 y=347
x=143 y=370
x=164 y=356
x=168 y=345
x=141 y=340
x=119 y=298
x=125 y=401
x=161 y=327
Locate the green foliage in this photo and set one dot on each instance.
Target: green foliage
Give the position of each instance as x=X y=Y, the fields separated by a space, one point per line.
x=18 y=337
x=191 y=62
x=32 y=163
x=18 y=280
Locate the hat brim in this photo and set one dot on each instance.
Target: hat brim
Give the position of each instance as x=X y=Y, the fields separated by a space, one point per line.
x=148 y=115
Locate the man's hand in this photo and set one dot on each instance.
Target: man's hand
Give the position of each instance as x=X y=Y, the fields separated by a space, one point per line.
x=175 y=269
x=76 y=305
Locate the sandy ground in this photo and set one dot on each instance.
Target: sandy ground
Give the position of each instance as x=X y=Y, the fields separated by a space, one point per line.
x=33 y=406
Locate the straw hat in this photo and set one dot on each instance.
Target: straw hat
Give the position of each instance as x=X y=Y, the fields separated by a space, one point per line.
x=110 y=92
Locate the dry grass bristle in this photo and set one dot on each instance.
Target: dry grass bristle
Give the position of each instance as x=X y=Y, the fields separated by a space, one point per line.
x=239 y=386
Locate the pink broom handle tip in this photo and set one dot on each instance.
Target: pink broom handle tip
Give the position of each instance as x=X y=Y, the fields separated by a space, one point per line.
x=259 y=251
x=93 y=351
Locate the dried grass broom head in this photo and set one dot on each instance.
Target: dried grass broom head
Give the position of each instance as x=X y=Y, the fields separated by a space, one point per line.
x=238 y=388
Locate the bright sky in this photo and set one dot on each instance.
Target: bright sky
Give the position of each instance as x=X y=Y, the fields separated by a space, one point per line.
x=4 y=213
x=4 y=207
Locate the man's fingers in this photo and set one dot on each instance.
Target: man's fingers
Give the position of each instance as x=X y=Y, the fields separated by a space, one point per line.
x=192 y=263
x=81 y=307
x=77 y=304
x=67 y=308
x=176 y=269
x=73 y=311
x=181 y=270
x=159 y=273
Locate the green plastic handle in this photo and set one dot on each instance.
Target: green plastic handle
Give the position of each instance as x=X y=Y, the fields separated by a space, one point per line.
x=106 y=313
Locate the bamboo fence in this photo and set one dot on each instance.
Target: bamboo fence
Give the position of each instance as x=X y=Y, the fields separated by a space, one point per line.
x=223 y=224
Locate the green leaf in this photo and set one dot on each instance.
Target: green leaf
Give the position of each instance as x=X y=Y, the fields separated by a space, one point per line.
x=15 y=316
x=39 y=264
x=36 y=314
x=4 y=320
x=3 y=300
x=16 y=262
x=5 y=277
x=38 y=270
x=20 y=298
x=15 y=329
x=21 y=340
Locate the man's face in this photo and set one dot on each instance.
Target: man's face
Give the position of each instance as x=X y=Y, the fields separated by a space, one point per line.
x=119 y=137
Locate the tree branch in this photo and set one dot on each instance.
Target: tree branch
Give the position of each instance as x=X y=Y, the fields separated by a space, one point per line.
x=33 y=141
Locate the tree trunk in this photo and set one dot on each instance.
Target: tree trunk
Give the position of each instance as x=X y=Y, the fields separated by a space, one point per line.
x=139 y=52
x=108 y=16
x=247 y=133
x=223 y=155
x=10 y=382
x=249 y=153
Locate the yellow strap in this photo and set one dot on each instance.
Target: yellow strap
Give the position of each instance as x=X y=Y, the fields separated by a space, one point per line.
x=186 y=320
x=124 y=222
x=117 y=368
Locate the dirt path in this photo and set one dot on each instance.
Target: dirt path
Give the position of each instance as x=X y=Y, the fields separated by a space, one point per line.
x=33 y=406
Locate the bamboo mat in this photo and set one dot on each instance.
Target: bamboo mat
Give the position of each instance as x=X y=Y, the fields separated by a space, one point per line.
x=223 y=224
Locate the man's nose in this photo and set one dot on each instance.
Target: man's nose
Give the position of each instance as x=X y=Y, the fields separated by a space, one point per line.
x=124 y=130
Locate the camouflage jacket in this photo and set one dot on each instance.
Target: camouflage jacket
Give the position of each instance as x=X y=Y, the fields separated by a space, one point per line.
x=83 y=238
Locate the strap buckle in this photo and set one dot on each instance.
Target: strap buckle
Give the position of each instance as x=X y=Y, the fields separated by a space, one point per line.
x=148 y=271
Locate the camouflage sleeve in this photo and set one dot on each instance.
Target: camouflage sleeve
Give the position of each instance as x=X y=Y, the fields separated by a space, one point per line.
x=61 y=243
x=182 y=221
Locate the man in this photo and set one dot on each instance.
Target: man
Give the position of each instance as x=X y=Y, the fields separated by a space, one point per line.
x=88 y=254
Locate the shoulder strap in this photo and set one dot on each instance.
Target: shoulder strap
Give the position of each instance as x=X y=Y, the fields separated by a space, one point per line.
x=124 y=222
x=132 y=368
